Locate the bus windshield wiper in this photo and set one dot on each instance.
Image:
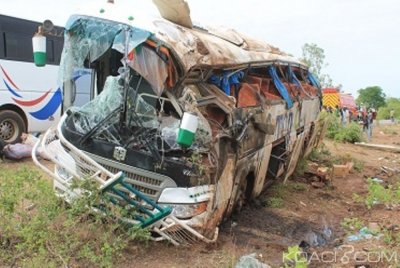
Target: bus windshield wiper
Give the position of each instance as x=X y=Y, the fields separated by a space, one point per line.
x=84 y=138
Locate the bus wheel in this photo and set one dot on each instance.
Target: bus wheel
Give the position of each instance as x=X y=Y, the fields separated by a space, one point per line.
x=11 y=126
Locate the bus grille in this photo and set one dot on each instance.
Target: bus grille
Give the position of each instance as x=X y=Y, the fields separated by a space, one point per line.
x=149 y=183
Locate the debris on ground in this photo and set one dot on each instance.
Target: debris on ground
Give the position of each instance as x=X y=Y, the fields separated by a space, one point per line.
x=377 y=180
x=364 y=233
x=250 y=261
x=22 y=150
x=390 y=171
x=318 y=184
x=342 y=170
x=17 y=151
x=319 y=178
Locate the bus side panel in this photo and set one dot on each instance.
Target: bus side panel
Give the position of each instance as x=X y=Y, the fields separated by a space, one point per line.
x=34 y=90
x=263 y=156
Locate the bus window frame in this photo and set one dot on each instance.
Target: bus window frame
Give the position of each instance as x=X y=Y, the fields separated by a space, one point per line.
x=17 y=27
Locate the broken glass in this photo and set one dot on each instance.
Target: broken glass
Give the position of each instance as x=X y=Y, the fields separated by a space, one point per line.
x=92 y=113
x=144 y=108
x=146 y=112
x=169 y=131
x=88 y=38
x=203 y=135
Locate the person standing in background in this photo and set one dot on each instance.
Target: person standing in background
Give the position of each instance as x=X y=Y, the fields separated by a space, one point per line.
x=349 y=116
x=370 y=120
x=392 y=115
x=345 y=116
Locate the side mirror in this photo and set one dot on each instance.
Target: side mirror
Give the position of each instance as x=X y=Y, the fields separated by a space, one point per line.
x=39 y=48
x=48 y=26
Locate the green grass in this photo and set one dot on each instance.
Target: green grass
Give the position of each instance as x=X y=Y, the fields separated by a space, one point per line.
x=275 y=196
x=379 y=194
x=352 y=224
x=274 y=202
x=294 y=257
x=321 y=155
x=38 y=228
x=298 y=186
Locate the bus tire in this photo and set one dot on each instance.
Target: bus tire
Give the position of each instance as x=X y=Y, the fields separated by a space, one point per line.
x=12 y=126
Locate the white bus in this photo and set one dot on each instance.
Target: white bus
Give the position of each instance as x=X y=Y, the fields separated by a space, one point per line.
x=30 y=97
x=189 y=121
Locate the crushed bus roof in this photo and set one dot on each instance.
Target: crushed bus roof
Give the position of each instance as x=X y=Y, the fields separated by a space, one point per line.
x=206 y=46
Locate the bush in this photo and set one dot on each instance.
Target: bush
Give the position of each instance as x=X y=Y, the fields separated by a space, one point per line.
x=351 y=133
x=391 y=104
x=333 y=124
x=379 y=194
x=336 y=131
x=37 y=228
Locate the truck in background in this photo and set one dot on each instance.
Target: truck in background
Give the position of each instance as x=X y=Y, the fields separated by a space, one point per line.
x=332 y=97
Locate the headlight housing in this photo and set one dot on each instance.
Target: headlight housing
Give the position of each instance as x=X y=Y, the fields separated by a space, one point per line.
x=186 y=211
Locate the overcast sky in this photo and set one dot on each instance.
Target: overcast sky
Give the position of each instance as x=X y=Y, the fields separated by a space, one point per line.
x=361 y=38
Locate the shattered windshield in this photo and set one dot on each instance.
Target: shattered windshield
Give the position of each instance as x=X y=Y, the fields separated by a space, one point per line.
x=130 y=76
x=88 y=39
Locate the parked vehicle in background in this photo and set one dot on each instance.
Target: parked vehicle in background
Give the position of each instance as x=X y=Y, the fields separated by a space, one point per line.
x=198 y=119
x=332 y=97
x=31 y=97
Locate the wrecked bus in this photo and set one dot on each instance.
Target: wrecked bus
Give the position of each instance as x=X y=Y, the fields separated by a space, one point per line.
x=198 y=120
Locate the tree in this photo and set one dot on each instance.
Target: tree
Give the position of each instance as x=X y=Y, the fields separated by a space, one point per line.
x=391 y=104
x=371 y=97
x=314 y=57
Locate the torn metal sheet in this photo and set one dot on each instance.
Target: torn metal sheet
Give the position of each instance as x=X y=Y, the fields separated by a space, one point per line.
x=176 y=11
x=151 y=67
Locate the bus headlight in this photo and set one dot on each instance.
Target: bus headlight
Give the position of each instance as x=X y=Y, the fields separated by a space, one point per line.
x=186 y=211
